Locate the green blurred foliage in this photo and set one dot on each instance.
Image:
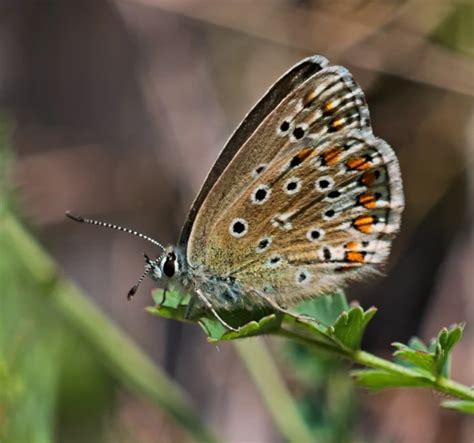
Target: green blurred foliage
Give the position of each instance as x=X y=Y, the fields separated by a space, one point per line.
x=456 y=31
x=52 y=386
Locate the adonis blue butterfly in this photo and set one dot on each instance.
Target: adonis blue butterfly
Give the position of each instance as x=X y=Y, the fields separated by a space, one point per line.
x=302 y=199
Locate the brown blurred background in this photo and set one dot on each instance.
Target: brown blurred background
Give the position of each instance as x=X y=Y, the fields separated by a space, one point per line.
x=121 y=107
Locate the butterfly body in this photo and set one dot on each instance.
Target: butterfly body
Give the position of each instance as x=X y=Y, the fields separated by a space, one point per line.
x=222 y=289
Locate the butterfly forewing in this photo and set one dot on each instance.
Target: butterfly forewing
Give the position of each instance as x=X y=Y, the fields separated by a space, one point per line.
x=326 y=102
x=290 y=81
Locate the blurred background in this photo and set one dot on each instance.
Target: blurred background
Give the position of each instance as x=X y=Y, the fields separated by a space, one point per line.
x=117 y=110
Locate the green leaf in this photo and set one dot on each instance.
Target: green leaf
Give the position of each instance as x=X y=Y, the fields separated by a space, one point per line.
x=415 y=358
x=172 y=299
x=216 y=331
x=444 y=345
x=325 y=308
x=317 y=314
x=378 y=379
x=172 y=307
x=416 y=344
x=350 y=326
x=250 y=323
x=435 y=359
x=416 y=365
x=459 y=405
x=256 y=322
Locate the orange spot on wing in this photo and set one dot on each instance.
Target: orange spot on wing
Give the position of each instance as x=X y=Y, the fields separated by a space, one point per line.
x=352 y=245
x=304 y=153
x=309 y=98
x=367 y=200
x=364 y=223
x=337 y=123
x=368 y=178
x=357 y=257
x=329 y=106
x=359 y=163
x=332 y=156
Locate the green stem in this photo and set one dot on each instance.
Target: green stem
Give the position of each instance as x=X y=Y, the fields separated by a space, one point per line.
x=326 y=348
x=440 y=384
x=272 y=388
x=126 y=361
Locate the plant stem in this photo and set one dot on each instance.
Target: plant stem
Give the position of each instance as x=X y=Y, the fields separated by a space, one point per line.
x=440 y=384
x=320 y=346
x=256 y=357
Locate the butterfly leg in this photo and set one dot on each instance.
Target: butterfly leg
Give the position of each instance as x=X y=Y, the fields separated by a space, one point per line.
x=163 y=298
x=208 y=305
x=189 y=308
x=282 y=309
x=273 y=303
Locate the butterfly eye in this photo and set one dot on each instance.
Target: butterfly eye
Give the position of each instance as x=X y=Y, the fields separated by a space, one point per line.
x=169 y=265
x=238 y=227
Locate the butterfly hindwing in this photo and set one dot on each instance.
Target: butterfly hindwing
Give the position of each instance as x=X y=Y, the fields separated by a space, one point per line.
x=319 y=215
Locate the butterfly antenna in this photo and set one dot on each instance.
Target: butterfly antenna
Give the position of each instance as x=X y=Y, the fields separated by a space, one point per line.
x=148 y=268
x=80 y=219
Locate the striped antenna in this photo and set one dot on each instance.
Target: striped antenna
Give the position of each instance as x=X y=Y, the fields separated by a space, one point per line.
x=148 y=267
x=89 y=221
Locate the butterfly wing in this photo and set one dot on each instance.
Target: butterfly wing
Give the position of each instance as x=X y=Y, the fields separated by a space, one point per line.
x=310 y=168
x=321 y=214
x=290 y=81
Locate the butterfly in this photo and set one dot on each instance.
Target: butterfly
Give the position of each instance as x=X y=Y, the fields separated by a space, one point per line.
x=302 y=199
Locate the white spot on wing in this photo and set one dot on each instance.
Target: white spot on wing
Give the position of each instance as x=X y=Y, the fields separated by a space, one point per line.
x=281 y=221
x=274 y=261
x=263 y=244
x=292 y=185
x=259 y=170
x=238 y=227
x=303 y=276
x=324 y=183
x=260 y=195
x=312 y=236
